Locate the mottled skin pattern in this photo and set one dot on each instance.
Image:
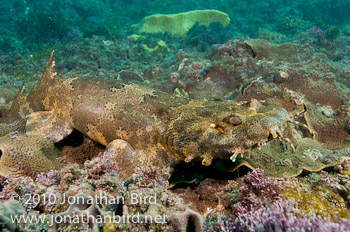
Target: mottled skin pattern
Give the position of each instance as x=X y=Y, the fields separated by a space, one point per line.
x=27 y=155
x=209 y=129
x=16 y=120
x=163 y=129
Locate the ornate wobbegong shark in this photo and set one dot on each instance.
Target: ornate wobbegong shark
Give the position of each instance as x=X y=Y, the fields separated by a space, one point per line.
x=146 y=127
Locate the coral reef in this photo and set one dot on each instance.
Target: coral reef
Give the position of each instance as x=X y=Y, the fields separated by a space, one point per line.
x=94 y=190
x=257 y=203
x=267 y=86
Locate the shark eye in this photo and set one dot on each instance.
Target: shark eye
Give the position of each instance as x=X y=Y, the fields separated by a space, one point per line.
x=0 y=154
x=235 y=120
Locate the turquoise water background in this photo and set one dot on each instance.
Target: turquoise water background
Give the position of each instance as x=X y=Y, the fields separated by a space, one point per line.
x=33 y=22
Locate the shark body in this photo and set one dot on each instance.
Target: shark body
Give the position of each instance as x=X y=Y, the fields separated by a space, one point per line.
x=146 y=127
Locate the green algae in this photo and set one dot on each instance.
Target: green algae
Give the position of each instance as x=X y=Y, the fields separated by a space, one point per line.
x=321 y=202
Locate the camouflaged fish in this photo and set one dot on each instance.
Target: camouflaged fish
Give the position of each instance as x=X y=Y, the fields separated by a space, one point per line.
x=145 y=127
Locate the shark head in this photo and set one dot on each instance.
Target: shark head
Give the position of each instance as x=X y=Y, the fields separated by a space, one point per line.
x=235 y=129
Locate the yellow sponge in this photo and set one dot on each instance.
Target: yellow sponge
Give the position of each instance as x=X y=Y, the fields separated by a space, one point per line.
x=180 y=24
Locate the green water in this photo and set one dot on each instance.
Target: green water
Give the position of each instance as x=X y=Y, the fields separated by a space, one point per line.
x=31 y=23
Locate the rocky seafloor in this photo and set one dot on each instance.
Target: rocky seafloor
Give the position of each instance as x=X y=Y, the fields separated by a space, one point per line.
x=306 y=73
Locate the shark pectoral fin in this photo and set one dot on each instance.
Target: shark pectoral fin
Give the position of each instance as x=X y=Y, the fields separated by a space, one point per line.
x=45 y=124
x=131 y=160
x=125 y=157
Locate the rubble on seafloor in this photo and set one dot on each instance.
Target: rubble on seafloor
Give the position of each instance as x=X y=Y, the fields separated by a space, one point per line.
x=94 y=194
